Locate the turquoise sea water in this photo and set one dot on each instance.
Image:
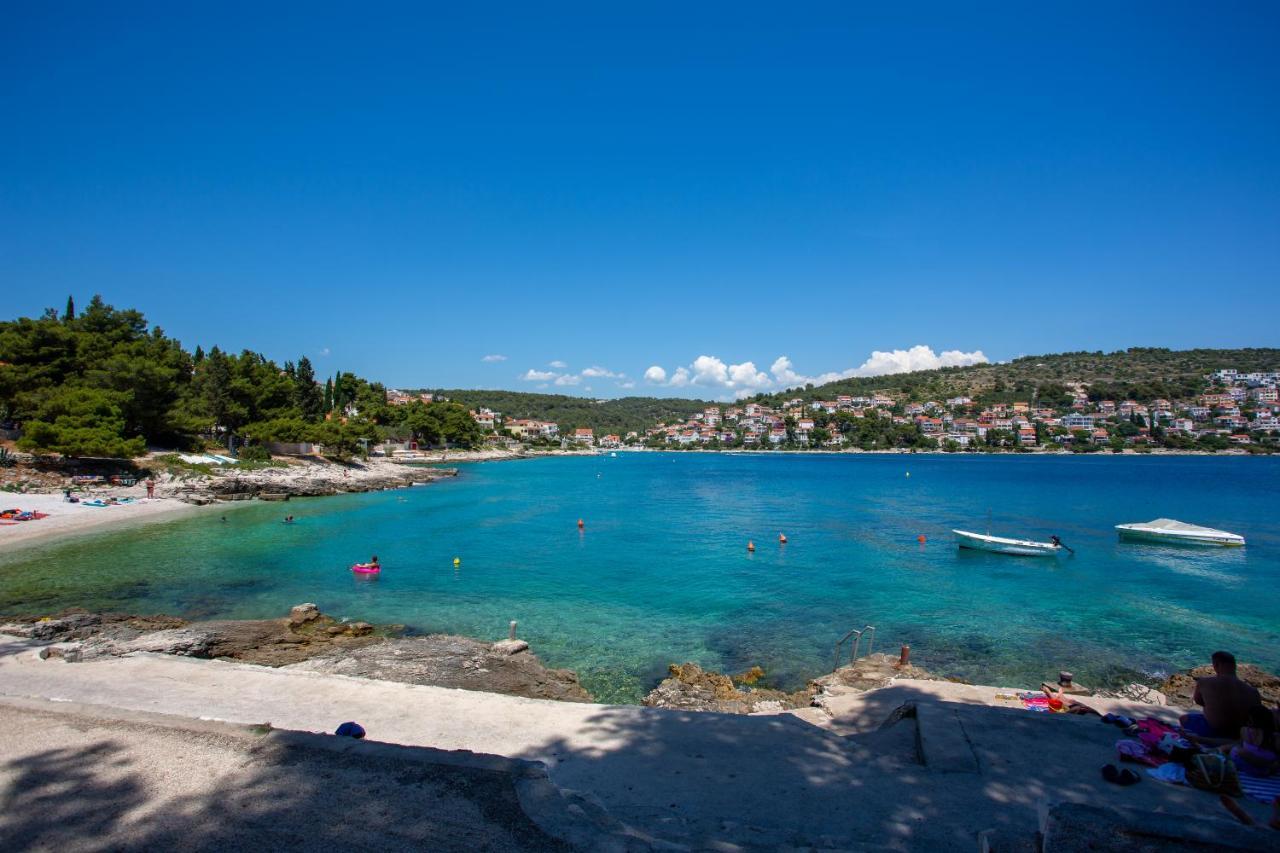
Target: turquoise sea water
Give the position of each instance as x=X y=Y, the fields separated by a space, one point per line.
x=661 y=572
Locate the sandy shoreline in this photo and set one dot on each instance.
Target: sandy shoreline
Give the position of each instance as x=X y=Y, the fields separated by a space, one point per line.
x=66 y=519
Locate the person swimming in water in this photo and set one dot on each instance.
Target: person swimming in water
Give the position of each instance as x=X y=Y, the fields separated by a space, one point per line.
x=288 y=519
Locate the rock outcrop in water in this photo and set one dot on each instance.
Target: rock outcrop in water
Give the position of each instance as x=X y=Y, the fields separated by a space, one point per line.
x=309 y=640
x=1180 y=688
x=299 y=478
x=691 y=688
x=442 y=660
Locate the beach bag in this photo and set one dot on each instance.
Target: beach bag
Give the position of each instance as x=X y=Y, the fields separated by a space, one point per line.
x=1213 y=772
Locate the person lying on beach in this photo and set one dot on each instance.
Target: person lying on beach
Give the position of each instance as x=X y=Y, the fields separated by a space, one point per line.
x=1247 y=819
x=1258 y=751
x=1226 y=700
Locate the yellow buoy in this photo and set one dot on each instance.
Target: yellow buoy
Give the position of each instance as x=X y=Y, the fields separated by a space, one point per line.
x=457 y=561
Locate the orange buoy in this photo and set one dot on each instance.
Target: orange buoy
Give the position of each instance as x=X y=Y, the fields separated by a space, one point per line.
x=580 y=524
x=782 y=537
x=920 y=539
x=751 y=546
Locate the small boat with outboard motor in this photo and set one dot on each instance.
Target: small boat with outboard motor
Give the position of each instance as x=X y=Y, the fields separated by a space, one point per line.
x=1006 y=545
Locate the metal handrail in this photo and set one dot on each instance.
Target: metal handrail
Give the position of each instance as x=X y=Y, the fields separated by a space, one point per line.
x=856 y=634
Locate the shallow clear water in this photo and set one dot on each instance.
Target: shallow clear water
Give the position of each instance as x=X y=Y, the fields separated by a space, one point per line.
x=661 y=572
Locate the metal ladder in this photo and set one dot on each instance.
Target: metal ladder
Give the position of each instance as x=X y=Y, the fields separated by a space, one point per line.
x=856 y=634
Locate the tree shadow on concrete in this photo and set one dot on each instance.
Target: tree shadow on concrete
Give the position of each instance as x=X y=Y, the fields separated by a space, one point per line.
x=764 y=782
x=59 y=798
x=156 y=789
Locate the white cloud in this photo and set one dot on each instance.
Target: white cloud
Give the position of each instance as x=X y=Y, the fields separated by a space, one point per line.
x=568 y=379
x=492 y=358
x=919 y=357
x=627 y=384
x=558 y=365
x=532 y=375
x=745 y=379
x=324 y=351
x=707 y=371
x=595 y=371
x=745 y=375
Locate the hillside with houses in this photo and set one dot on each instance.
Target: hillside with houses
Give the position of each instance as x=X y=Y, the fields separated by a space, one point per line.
x=1226 y=409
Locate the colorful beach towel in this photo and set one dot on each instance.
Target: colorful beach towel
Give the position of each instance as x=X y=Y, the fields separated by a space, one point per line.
x=1135 y=750
x=1151 y=731
x=1035 y=701
x=1264 y=789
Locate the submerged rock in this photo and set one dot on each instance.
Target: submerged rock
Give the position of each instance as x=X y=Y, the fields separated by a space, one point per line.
x=447 y=661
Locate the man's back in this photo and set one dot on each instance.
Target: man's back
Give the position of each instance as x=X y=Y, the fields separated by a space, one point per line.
x=1226 y=700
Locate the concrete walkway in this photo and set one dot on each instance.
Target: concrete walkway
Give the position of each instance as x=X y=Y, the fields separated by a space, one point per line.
x=78 y=780
x=691 y=778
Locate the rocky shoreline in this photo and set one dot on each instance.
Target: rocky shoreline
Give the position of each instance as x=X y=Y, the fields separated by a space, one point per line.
x=309 y=640
x=286 y=477
x=300 y=478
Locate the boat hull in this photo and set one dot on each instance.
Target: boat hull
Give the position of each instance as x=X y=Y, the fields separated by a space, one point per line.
x=1001 y=545
x=1165 y=538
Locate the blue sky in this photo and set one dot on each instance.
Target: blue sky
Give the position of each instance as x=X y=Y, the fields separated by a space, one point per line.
x=404 y=190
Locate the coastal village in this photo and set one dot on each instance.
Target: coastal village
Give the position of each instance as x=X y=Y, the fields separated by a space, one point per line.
x=1235 y=410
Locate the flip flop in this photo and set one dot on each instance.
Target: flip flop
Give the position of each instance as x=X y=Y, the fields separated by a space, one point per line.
x=1111 y=773
x=1128 y=777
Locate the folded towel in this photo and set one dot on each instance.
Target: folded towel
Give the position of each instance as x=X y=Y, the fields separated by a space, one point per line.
x=1264 y=789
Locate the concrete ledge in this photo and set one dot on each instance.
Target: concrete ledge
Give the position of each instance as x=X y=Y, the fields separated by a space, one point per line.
x=941 y=740
x=578 y=820
x=1076 y=828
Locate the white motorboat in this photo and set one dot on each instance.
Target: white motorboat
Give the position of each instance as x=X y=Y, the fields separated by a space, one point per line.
x=1003 y=545
x=1169 y=531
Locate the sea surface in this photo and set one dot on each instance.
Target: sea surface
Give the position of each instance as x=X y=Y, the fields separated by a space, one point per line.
x=661 y=573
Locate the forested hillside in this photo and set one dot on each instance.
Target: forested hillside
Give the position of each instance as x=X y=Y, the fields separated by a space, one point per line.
x=604 y=416
x=105 y=382
x=1141 y=373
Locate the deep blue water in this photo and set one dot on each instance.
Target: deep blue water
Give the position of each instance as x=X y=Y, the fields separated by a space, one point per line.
x=661 y=572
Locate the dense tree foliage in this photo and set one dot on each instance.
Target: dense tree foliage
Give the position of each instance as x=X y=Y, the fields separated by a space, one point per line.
x=604 y=416
x=103 y=382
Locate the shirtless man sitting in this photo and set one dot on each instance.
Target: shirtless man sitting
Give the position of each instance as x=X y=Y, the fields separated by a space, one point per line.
x=1226 y=700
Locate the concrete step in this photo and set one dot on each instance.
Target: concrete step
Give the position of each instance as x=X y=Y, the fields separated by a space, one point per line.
x=942 y=741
